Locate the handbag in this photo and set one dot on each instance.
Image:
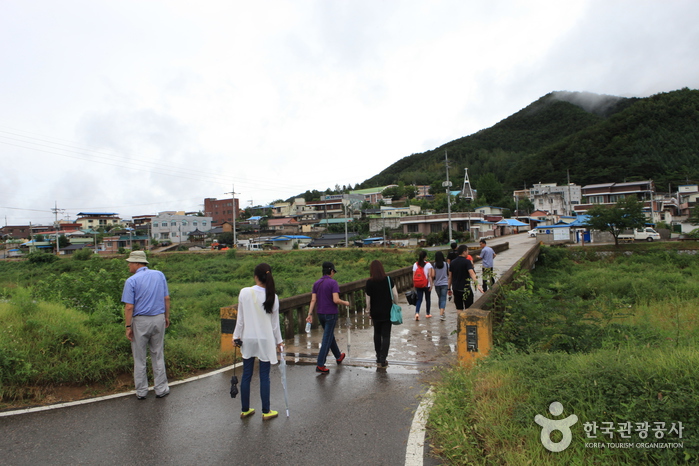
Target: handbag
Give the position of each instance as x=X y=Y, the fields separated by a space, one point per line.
x=411 y=297
x=396 y=310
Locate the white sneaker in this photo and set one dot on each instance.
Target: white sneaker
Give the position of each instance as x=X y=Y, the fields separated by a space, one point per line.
x=443 y=317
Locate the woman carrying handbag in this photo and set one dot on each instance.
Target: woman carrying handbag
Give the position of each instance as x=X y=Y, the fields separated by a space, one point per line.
x=380 y=295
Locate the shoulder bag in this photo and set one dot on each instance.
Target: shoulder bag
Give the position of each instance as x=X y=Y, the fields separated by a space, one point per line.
x=396 y=310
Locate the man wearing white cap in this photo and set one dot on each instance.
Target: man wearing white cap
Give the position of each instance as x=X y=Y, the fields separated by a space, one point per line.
x=146 y=314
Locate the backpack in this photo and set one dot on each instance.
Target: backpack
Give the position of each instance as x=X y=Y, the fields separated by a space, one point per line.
x=419 y=278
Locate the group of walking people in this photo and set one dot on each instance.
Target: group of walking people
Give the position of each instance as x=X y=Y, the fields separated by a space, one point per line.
x=257 y=332
x=258 y=335
x=451 y=276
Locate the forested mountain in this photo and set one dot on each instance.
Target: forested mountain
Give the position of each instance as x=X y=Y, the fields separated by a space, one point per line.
x=592 y=138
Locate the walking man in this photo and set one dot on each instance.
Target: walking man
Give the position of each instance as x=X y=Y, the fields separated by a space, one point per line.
x=326 y=296
x=452 y=253
x=146 y=314
x=487 y=255
x=460 y=273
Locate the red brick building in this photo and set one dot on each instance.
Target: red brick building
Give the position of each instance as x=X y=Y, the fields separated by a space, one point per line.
x=221 y=210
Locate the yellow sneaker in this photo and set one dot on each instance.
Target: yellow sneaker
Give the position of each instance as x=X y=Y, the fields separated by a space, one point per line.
x=247 y=413
x=270 y=415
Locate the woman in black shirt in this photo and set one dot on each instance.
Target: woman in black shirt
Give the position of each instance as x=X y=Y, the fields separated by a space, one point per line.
x=380 y=293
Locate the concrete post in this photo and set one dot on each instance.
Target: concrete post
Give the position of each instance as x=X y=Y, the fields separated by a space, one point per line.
x=229 y=315
x=474 y=336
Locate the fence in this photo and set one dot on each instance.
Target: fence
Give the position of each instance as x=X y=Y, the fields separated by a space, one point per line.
x=293 y=310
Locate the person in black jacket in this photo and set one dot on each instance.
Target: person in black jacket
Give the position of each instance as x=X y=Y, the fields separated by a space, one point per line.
x=461 y=273
x=380 y=294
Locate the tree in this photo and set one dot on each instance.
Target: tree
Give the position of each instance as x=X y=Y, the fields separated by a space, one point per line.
x=63 y=242
x=694 y=216
x=626 y=214
x=490 y=188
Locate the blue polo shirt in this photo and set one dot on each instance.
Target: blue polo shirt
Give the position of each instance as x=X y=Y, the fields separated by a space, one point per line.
x=146 y=290
x=487 y=255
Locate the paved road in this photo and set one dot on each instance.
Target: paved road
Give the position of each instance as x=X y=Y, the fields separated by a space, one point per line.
x=357 y=414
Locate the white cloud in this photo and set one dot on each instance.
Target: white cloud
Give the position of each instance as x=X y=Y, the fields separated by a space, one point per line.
x=165 y=103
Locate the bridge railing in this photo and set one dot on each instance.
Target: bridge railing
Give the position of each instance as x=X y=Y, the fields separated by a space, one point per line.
x=293 y=310
x=475 y=325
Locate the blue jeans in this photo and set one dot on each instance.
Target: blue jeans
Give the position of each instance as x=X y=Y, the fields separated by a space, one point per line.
x=328 y=322
x=423 y=291
x=248 y=369
x=442 y=295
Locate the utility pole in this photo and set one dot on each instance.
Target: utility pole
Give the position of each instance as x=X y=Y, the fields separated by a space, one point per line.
x=569 y=209
x=55 y=225
x=447 y=185
x=235 y=214
x=346 y=236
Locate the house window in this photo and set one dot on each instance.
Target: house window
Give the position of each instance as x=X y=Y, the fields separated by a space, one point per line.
x=435 y=228
x=194 y=222
x=184 y=222
x=596 y=199
x=203 y=223
x=412 y=228
x=155 y=224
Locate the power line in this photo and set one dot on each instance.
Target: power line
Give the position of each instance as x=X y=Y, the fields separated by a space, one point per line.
x=96 y=156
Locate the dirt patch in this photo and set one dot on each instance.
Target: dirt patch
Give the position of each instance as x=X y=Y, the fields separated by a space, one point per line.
x=49 y=395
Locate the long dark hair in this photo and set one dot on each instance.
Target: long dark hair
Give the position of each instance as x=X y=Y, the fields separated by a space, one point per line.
x=376 y=270
x=263 y=272
x=439 y=259
x=421 y=258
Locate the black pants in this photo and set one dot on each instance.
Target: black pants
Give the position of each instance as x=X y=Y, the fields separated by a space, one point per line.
x=382 y=339
x=463 y=299
x=488 y=276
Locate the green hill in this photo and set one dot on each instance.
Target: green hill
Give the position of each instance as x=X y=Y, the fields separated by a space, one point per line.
x=593 y=138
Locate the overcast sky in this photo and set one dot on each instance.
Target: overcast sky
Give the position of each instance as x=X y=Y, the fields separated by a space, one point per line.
x=137 y=107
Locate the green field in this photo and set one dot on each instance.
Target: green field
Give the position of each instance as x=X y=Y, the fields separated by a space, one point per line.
x=613 y=338
x=63 y=321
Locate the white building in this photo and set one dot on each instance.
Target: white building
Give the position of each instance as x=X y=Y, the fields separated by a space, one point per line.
x=556 y=200
x=176 y=227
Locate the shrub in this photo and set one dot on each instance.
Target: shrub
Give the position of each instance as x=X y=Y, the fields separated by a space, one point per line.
x=83 y=254
x=41 y=258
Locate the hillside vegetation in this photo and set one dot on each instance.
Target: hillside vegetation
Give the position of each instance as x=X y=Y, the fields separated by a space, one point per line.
x=591 y=138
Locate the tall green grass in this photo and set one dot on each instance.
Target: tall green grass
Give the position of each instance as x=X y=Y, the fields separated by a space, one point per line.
x=613 y=338
x=486 y=415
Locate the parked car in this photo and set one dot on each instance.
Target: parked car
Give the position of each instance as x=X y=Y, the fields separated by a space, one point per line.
x=647 y=234
x=532 y=233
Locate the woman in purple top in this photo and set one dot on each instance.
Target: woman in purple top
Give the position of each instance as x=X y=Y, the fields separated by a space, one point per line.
x=326 y=296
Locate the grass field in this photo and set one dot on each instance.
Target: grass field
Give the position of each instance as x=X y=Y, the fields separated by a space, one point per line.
x=612 y=338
